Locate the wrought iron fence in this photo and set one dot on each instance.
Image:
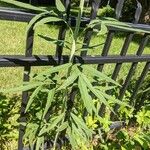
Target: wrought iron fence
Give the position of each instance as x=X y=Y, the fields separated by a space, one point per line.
x=28 y=60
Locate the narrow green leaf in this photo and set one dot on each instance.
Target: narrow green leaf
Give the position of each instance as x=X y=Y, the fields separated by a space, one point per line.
x=114 y=100
x=95 y=92
x=87 y=100
x=60 y=6
x=52 y=125
x=79 y=132
x=103 y=29
x=47 y=20
x=35 y=19
x=80 y=123
x=53 y=70
x=110 y=19
x=93 y=23
x=63 y=126
x=78 y=20
x=55 y=41
x=118 y=23
x=73 y=49
x=71 y=138
x=70 y=80
x=23 y=5
x=31 y=99
x=93 y=72
x=148 y=89
x=129 y=28
x=49 y=101
x=39 y=143
x=26 y=87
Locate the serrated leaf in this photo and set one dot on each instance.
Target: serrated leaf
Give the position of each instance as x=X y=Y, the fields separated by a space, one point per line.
x=49 y=101
x=60 y=6
x=52 y=125
x=47 y=20
x=71 y=138
x=79 y=132
x=114 y=100
x=80 y=123
x=70 y=80
x=93 y=72
x=87 y=100
x=31 y=99
x=53 y=70
x=95 y=92
x=23 y=5
x=26 y=87
x=63 y=126
x=39 y=143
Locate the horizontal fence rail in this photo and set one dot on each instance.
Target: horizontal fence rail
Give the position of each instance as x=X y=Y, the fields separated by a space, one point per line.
x=46 y=60
x=28 y=59
x=25 y=16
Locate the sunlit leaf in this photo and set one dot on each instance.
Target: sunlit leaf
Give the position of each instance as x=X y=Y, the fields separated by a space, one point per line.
x=39 y=143
x=53 y=70
x=35 y=19
x=31 y=99
x=70 y=80
x=60 y=6
x=80 y=123
x=23 y=5
x=96 y=92
x=103 y=29
x=52 y=125
x=49 y=101
x=47 y=20
x=63 y=126
x=114 y=100
x=93 y=72
x=87 y=100
x=26 y=87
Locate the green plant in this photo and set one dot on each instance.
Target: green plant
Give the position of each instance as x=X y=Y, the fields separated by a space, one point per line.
x=106 y=12
x=8 y=124
x=63 y=98
x=130 y=137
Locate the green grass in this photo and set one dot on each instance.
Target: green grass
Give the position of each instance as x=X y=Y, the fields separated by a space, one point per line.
x=13 y=36
x=12 y=42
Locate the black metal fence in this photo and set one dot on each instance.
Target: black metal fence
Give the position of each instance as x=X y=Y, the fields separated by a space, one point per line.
x=28 y=60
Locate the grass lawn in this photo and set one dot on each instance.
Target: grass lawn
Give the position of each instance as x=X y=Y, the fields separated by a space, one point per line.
x=13 y=34
x=12 y=42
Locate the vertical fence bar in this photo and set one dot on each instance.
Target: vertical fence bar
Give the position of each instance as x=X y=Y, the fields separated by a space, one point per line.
x=88 y=34
x=127 y=42
x=123 y=53
x=139 y=82
x=134 y=66
x=131 y=71
x=124 y=49
x=25 y=96
x=139 y=104
x=107 y=45
x=111 y=33
x=62 y=31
